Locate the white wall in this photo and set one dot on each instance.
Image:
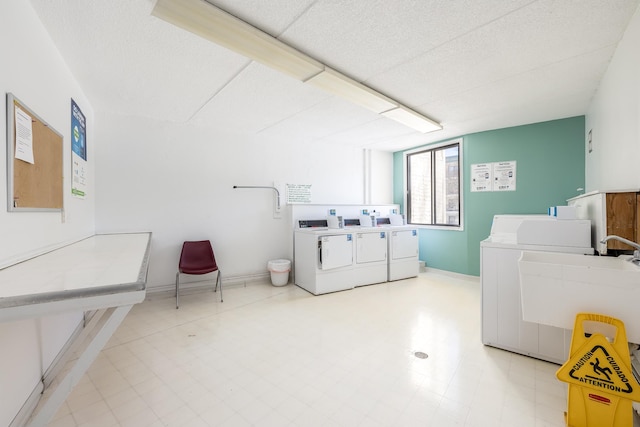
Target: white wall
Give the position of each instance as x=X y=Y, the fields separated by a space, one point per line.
x=172 y=179
x=614 y=119
x=176 y=180
x=378 y=177
x=35 y=73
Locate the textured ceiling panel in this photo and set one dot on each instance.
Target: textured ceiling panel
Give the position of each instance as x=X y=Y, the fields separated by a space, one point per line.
x=131 y=62
x=272 y=17
x=365 y=38
x=257 y=99
x=369 y=134
x=516 y=100
x=480 y=58
x=473 y=65
x=323 y=119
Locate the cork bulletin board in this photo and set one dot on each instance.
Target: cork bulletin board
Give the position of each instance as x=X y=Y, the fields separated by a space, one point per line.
x=34 y=161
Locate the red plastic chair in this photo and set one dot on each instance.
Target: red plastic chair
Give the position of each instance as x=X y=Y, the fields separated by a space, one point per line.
x=197 y=258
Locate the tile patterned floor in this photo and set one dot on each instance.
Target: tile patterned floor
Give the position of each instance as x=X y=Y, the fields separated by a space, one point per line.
x=272 y=356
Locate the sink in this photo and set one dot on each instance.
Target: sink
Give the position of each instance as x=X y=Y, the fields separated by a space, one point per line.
x=557 y=286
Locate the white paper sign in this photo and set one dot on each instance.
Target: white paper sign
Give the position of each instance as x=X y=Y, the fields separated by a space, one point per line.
x=298 y=193
x=504 y=176
x=497 y=176
x=24 y=136
x=481 y=177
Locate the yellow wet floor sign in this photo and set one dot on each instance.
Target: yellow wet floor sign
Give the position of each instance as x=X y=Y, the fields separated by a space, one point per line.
x=601 y=382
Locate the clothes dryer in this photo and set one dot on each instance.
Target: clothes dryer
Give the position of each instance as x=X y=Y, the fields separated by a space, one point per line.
x=403 y=252
x=324 y=259
x=370 y=264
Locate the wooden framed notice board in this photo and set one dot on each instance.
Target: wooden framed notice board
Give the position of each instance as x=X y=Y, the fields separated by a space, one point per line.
x=34 y=161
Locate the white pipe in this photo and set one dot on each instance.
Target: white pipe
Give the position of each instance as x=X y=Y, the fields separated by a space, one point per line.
x=260 y=186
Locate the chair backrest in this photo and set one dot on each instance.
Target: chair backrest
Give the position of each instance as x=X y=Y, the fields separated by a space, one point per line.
x=197 y=258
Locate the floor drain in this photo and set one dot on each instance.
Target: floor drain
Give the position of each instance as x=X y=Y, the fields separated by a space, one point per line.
x=420 y=355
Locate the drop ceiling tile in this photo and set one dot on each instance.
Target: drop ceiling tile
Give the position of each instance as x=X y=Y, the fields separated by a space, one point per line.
x=130 y=62
x=471 y=64
x=339 y=123
x=272 y=17
x=370 y=133
x=330 y=116
x=526 y=98
x=486 y=55
x=257 y=99
x=365 y=38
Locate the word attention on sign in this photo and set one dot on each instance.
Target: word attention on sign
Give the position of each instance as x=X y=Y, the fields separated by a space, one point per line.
x=596 y=365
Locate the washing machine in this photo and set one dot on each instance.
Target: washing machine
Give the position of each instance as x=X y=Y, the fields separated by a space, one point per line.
x=403 y=261
x=323 y=258
x=501 y=320
x=370 y=261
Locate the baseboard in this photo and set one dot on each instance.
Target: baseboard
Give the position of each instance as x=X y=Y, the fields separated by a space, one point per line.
x=452 y=274
x=227 y=282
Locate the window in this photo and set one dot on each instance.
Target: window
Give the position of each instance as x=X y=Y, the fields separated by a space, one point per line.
x=433 y=185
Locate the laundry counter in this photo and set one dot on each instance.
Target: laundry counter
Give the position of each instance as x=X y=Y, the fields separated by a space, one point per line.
x=104 y=270
x=103 y=275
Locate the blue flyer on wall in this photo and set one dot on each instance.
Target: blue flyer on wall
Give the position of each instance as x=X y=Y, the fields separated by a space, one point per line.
x=78 y=151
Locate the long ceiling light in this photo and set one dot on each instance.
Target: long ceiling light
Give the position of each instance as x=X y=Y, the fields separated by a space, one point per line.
x=212 y=23
x=343 y=86
x=412 y=119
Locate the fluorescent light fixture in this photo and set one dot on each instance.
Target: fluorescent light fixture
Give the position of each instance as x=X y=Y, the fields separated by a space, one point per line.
x=208 y=21
x=412 y=119
x=214 y=24
x=351 y=90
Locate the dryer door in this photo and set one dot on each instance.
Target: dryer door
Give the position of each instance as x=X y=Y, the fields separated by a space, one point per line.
x=335 y=251
x=371 y=247
x=404 y=244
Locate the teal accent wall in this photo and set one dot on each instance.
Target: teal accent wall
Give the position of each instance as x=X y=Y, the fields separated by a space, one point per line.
x=550 y=168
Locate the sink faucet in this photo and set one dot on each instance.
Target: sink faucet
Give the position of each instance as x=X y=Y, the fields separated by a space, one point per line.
x=636 y=252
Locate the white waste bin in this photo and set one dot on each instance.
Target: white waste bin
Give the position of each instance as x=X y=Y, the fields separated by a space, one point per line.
x=279 y=269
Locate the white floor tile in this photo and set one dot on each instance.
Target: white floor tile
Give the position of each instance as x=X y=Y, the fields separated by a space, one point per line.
x=278 y=356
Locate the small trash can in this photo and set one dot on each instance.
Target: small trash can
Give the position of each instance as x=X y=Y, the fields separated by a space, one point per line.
x=279 y=269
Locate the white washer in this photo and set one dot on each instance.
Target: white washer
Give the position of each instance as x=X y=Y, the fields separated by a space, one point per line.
x=324 y=259
x=502 y=324
x=370 y=264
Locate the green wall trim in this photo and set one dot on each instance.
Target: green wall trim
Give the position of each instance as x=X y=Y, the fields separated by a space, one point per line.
x=550 y=169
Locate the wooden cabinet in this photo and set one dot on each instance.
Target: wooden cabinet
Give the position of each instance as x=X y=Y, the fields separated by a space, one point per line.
x=621 y=209
x=611 y=213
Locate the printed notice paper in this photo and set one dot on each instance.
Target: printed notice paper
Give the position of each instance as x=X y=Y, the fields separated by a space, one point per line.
x=24 y=136
x=481 y=177
x=497 y=176
x=78 y=151
x=298 y=193
x=504 y=176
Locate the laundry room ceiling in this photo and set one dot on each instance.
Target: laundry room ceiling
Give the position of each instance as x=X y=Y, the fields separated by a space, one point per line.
x=470 y=65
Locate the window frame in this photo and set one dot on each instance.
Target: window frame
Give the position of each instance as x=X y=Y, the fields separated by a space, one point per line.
x=405 y=174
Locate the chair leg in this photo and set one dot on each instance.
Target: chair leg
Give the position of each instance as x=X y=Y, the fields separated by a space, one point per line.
x=218 y=279
x=177 y=288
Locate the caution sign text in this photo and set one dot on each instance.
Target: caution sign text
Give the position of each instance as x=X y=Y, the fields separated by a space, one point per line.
x=598 y=366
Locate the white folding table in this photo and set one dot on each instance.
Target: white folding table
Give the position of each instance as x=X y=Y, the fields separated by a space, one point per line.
x=104 y=274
